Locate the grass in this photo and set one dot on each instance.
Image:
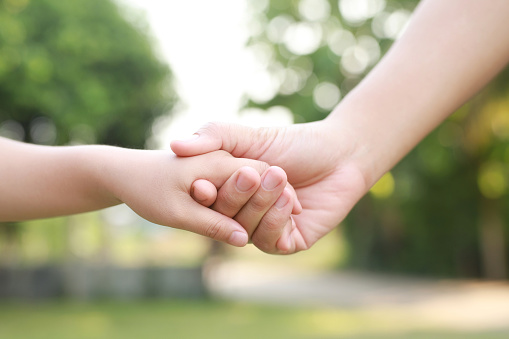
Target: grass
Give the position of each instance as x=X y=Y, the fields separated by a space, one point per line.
x=203 y=319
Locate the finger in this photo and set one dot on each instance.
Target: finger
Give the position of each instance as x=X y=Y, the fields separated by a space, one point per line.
x=297 y=207
x=286 y=244
x=204 y=192
x=237 y=191
x=273 y=183
x=219 y=166
x=231 y=197
x=273 y=232
x=209 y=223
x=235 y=139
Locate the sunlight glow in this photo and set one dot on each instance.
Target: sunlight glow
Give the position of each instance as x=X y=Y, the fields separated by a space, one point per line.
x=205 y=45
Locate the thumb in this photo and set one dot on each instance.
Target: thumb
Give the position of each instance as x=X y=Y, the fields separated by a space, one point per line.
x=232 y=138
x=209 y=223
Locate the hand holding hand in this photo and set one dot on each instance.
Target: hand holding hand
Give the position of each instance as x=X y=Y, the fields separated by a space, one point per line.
x=157 y=186
x=319 y=166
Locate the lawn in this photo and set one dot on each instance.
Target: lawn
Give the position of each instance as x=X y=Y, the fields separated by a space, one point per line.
x=202 y=319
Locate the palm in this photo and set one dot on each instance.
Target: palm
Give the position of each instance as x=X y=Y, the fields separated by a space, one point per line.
x=325 y=204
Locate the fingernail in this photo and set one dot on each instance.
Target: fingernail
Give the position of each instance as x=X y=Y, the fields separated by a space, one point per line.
x=243 y=183
x=195 y=196
x=271 y=180
x=282 y=201
x=191 y=138
x=238 y=239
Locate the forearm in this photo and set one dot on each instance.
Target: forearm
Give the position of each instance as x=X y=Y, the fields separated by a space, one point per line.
x=39 y=181
x=450 y=51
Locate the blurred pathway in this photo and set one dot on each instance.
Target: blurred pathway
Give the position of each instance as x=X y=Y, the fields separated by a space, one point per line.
x=456 y=305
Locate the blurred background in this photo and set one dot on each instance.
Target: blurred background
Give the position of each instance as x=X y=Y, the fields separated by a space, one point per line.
x=423 y=255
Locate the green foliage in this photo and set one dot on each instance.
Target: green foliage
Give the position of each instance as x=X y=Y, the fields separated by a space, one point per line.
x=306 y=44
x=79 y=71
x=445 y=210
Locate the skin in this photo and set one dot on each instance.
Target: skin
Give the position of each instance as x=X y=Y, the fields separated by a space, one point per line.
x=41 y=181
x=450 y=50
x=266 y=206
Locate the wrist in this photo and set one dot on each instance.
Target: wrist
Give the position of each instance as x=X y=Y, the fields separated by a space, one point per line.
x=357 y=144
x=105 y=167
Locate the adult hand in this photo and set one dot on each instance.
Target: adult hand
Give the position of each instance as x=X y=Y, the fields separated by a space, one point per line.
x=318 y=164
x=332 y=163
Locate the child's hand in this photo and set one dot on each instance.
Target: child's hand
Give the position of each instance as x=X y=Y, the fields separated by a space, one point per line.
x=42 y=182
x=157 y=186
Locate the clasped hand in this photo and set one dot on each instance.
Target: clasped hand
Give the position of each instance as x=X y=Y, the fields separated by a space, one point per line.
x=327 y=182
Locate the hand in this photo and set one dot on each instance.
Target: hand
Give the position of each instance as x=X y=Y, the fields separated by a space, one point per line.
x=157 y=186
x=320 y=166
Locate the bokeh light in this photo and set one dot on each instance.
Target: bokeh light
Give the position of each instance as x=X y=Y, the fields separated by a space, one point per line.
x=355 y=60
x=303 y=38
x=277 y=27
x=12 y=129
x=384 y=187
x=340 y=40
x=43 y=131
x=263 y=87
x=492 y=180
x=358 y=11
x=326 y=96
x=293 y=81
x=396 y=23
x=371 y=47
x=314 y=10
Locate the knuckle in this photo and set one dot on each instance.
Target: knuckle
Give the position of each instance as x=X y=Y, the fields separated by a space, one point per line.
x=262 y=202
x=262 y=165
x=273 y=223
x=227 y=203
x=213 y=229
x=263 y=245
x=213 y=126
x=260 y=244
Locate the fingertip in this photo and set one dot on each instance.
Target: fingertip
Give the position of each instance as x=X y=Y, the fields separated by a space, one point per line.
x=195 y=145
x=273 y=177
x=238 y=239
x=181 y=147
x=284 y=243
x=281 y=172
x=283 y=199
x=297 y=206
x=247 y=179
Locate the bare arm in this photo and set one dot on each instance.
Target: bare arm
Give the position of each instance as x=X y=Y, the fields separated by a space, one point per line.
x=450 y=50
x=40 y=181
